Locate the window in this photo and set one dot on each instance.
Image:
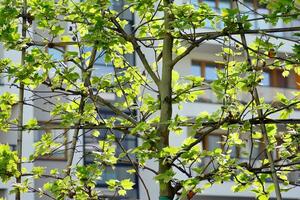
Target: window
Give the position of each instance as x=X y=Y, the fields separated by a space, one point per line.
x=274 y=78
x=1 y=79
x=57 y=54
x=3 y=193
x=208 y=70
x=266 y=81
x=102 y=68
x=13 y=147
x=59 y=136
x=213 y=141
x=254 y=10
x=217 y=5
x=120 y=170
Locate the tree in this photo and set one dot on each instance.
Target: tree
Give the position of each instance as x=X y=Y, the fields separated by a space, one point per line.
x=147 y=94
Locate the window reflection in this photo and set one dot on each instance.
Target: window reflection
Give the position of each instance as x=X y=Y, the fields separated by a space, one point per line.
x=196 y=69
x=267 y=80
x=56 y=54
x=211 y=73
x=207 y=70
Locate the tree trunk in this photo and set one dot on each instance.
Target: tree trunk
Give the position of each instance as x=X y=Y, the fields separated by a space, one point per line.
x=165 y=90
x=21 y=102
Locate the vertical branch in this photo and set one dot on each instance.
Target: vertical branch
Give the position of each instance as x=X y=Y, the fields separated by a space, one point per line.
x=75 y=137
x=165 y=91
x=260 y=113
x=86 y=74
x=21 y=101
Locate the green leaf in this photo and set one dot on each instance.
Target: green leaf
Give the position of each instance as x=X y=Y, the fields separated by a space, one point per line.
x=285 y=73
x=96 y=133
x=175 y=77
x=111 y=182
x=180 y=50
x=256 y=135
x=122 y=192
x=131 y=171
x=38 y=171
x=127 y=184
x=166 y=176
x=31 y=124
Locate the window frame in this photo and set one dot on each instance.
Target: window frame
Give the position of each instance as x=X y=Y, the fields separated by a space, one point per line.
x=274 y=79
x=274 y=74
x=217 y=4
x=203 y=64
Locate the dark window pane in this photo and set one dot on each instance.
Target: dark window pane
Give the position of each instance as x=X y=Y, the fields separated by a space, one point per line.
x=119 y=173
x=281 y=81
x=120 y=170
x=234 y=151
x=130 y=59
x=213 y=142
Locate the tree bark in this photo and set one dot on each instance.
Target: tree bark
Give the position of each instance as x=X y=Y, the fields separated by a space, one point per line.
x=21 y=102
x=86 y=80
x=165 y=91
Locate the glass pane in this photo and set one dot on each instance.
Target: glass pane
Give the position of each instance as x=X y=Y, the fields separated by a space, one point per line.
x=213 y=142
x=194 y=3
x=211 y=73
x=120 y=173
x=224 y=4
x=196 y=70
x=130 y=59
x=128 y=28
x=211 y=3
x=117 y=5
x=233 y=153
x=101 y=70
x=267 y=79
x=245 y=6
x=56 y=54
